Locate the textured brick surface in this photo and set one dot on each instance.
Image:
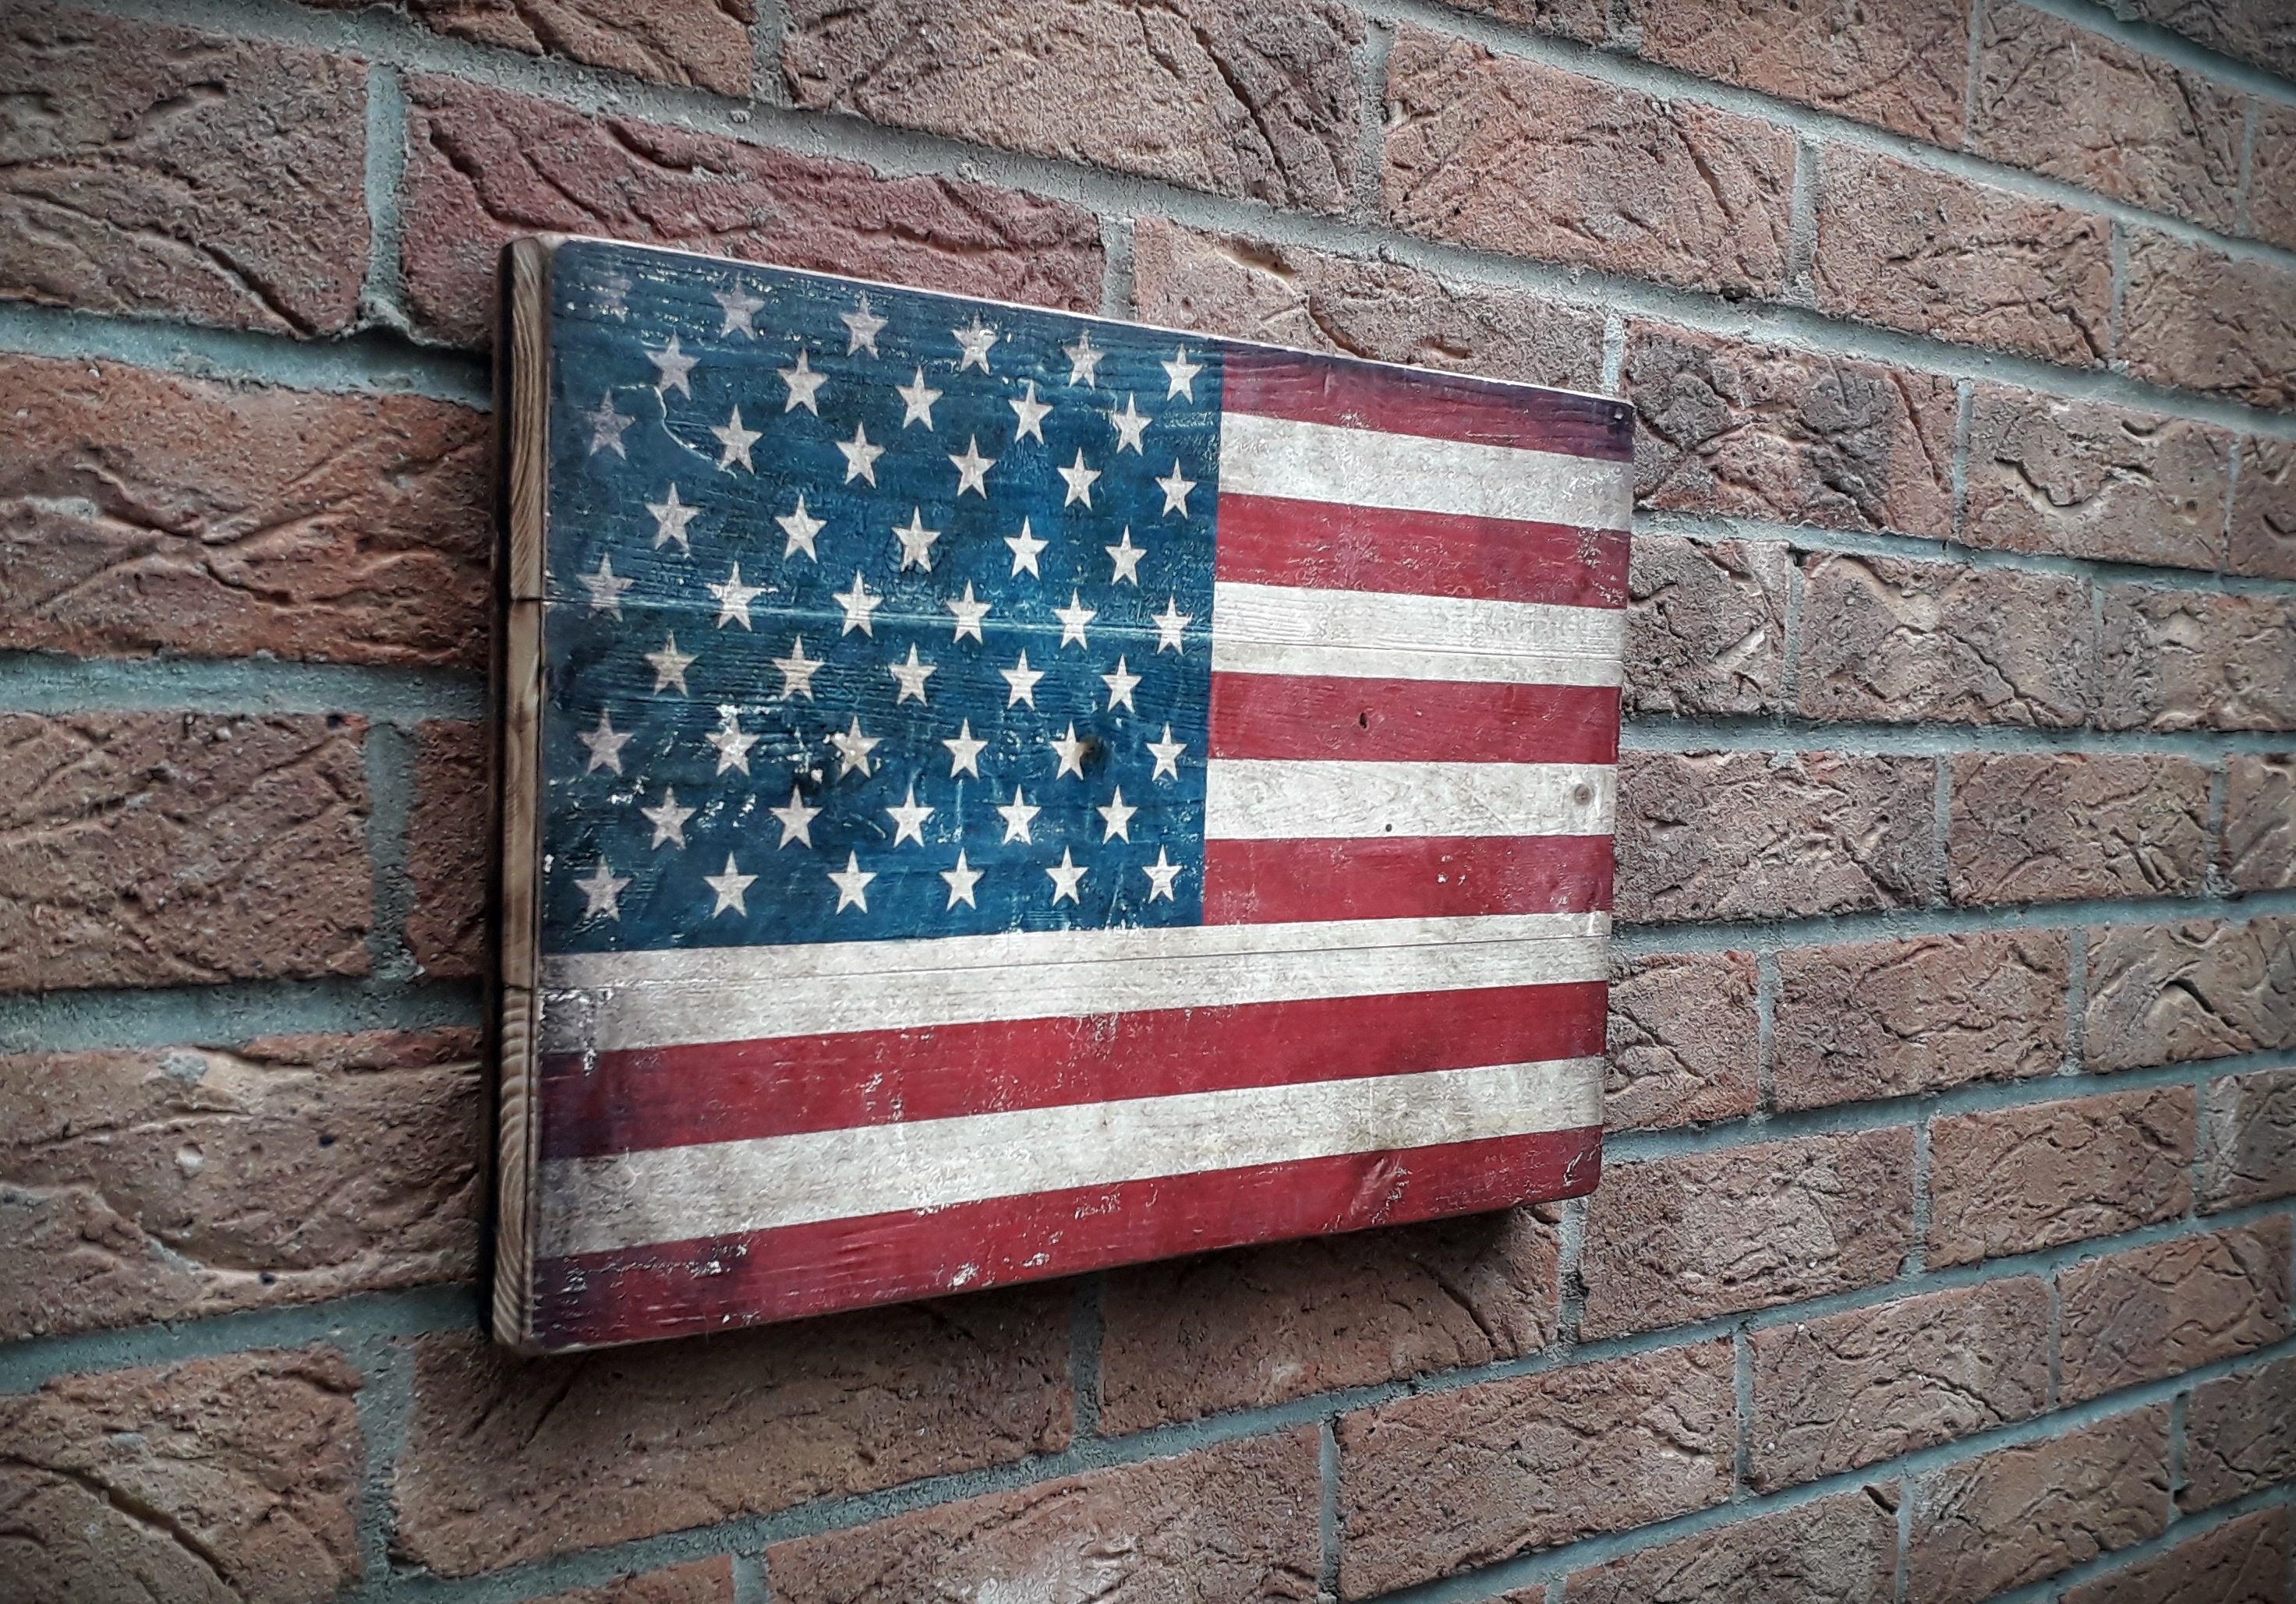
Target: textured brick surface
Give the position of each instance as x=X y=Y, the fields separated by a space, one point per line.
x=1850 y=1389
x=1914 y=249
x=2176 y=660
x=2162 y=1309
x=1685 y=1039
x=2016 y=1515
x=1446 y=1481
x=2037 y=827
x=450 y=850
x=1895 y=641
x=1671 y=1240
x=2272 y=186
x=1900 y=65
x=1259 y=104
x=1287 y=296
x=2247 y=1139
x=510 y=1461
x=1889 y=1019
x=703 y=1582
x=2252 y=30
x=2075 y=480
x=705 y=42
x=141 y=512
x=167 y=849
x=2169 y=994
x=1744 y=835
x=166 y=1183
x=1706 y=625
x=1262 y=1325
x=1841 y=1549
x=154 y=171
x=2263 y=538
x=1237 y=1521
x=2197 y=319
x=234 y=1479
x=2240 y=1434
x=2244 y=1562
x=484 y=166
x=1515 y=155
x=2020 y=1179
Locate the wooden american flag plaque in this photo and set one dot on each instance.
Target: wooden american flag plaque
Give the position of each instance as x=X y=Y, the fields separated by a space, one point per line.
x=992 y=793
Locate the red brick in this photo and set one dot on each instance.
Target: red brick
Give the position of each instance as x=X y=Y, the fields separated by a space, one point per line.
x=2240 y=1434
x=1241 y=1520
x=1511 y=155
x=2163 y=1310
x=450 y=850
x=704 y=42
x=169 y=1183
x=2178 y=659
x=1895 y=641
x=511 y=1461
x=2033 y=827
x=703 y=1582
x=1354 y=307
x=1261 y=104
x=1671 y=1240
x=2263 y=510
x=2243 y=1561
x=143 y=513
x=2169 y=994
x=1706 y=625
x=1749 y=835
x=1263 y=1325
x=2072 y=479
x=2020 y=1179
x=1448 y=1481
x=2080 y=106
x=1685 y=1039
x=1841 y=1549
x=1891 y=1018
x=175 y=849
x=484 y=166
x=2016 y=1515
x=2272 y=186
x=2247 y=1139
x=154 y=171
x=2263 y=33
x=230 y=1479
x=1911 y=247
x=1854 y=1388
x=1900 y=65
x=1586 y=21
x=2197 y=319
x=1758 y=431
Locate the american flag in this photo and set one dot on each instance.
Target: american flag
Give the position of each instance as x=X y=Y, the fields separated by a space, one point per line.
x=1021 y=793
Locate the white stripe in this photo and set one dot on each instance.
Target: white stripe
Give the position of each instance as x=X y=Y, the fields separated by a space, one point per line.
x=1281 y=614
x=1352 y=662
x=1364 y=468
x=1261 y=799
x=672 y=1194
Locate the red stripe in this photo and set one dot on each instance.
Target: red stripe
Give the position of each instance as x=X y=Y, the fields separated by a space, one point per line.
x=1379 y=877
x=1412 y=721
x=1443 y=406
x=723 y=1092
x=676 y=1289
x=1326 y=545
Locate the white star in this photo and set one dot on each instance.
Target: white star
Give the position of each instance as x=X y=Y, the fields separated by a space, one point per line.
x=605 y=587
x=1170 y=623
x=797 y=821
x=916 y=400
x=1079 y=480
x=669 y=819
x=798 y=530
x=671 y=518
x=1023 y=680
x=736 y=441
x=859 y=604
x=860 y=457
x=1065 y=879
x=732 y=746
x=797 y=670
x=861 y=326
x=804 y=385
x=1071 y=751
x=1128 y=424
x=669 y=665
x=1031 y=413
x=1182 y=374
x=1167 y=755
x=730 y=888
x=964 y=752
x=911 y=676
x=740 y=307
x=852 y=883
x=916 y=542
x=733 y=599
x=606 y=426
x=853 y=749
x=972 y=469
x=1175 y=490
x=605 y=745
x=961 y=881
x=1127 y=557
x=974 y=342
x=671 y=366
x=1017 y=814
x=909 y=818
x=1160 y=875
x=1084 y=361
x=602 y=891
x=1025 y=547
x=1120 y=688
x=1073 y=618
x=969 y=614
x=1116 y=818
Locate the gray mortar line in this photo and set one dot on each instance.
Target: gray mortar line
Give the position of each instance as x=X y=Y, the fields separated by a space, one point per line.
x=1941 y=832
x=1631 y=940
x=2174 y=48
x=1327 y=1523
x=36 y=681
x=231 y=1013
x=1770 y=732
x=389 y=763
x=1916 y=1262
x=383 y=299
x=1371 y=62
x=1801 y=225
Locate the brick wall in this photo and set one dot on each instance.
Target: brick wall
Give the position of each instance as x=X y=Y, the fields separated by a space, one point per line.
x=1945 y=1248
